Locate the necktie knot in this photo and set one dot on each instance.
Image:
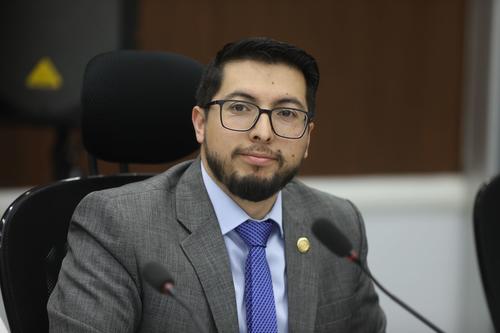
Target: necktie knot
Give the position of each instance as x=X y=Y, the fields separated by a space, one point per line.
x=255 y=233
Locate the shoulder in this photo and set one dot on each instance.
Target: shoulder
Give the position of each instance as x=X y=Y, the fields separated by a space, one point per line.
x=119 y=215
x=163 y=182
x=319 y=201
x=143 y=196
x=316 y=204
x=166 y=181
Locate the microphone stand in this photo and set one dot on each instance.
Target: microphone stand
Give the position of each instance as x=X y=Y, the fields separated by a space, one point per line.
x=354 y=258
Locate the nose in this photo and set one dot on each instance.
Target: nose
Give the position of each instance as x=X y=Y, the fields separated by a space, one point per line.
x=262 y=131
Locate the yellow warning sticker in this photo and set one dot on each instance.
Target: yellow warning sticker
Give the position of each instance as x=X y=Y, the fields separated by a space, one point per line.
x=44 y=76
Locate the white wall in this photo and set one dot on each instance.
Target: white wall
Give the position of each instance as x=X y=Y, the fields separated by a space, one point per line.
x=421 y=246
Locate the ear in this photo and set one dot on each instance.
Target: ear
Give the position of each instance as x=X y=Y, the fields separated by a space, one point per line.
x=310 y=127
x=198 y=118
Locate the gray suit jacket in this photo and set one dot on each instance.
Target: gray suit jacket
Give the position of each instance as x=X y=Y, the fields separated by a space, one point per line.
x=169 y=219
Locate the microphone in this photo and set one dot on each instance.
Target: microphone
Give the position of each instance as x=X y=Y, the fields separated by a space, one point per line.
x=160 y=279
x=330 y=236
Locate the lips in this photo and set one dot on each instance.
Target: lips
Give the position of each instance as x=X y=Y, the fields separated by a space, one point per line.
x=258 y=155
x=258 y=159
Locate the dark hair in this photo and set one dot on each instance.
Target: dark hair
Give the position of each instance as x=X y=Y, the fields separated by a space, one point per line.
x=262 y=49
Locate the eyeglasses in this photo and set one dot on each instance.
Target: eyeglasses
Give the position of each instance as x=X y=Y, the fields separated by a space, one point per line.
x=242 y=116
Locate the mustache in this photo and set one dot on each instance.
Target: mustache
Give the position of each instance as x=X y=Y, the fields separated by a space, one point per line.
x=256 y=148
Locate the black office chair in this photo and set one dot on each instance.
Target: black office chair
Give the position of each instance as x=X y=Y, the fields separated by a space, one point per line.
x=136 y=109
x=487 y=237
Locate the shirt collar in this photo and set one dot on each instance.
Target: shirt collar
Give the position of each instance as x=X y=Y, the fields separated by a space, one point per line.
x=228 y=213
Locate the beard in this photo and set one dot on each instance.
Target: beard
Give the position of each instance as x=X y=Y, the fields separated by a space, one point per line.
x=250 y=187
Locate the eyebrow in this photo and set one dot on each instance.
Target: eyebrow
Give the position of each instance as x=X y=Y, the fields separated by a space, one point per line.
x=240 y=94
x=246 y=96
x=291 y=100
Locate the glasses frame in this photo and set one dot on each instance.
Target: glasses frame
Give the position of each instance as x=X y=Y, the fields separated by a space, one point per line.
x=220 y=103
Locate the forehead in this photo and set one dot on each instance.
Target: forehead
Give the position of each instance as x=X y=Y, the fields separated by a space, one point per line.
x=262 y=80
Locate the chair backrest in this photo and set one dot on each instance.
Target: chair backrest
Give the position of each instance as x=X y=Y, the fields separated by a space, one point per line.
x=33 y=245
x=487 y=237
x=136 y=109
x=137 y=106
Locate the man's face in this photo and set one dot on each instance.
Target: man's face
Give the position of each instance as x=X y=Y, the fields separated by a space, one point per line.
x=256 y=164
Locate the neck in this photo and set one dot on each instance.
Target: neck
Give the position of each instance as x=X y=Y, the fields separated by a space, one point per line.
x=256 y=210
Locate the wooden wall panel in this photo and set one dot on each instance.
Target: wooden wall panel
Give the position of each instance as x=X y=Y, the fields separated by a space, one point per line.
x=391 y=72
x=391 y=77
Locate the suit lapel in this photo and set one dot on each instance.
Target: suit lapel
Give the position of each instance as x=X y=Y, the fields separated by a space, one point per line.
x=302 y=284
x=206 y=249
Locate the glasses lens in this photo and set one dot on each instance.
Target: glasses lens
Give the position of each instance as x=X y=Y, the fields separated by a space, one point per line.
x=241 y=116
x=289 y=123
x=238 y=115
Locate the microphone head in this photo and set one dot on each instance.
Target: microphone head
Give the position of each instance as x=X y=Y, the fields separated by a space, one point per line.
x=156 y=276
x=330 y=236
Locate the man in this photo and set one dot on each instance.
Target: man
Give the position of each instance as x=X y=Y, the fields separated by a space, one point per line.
x=201 y=219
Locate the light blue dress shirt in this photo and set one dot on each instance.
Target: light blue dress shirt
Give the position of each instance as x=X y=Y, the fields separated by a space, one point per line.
x=230 y=215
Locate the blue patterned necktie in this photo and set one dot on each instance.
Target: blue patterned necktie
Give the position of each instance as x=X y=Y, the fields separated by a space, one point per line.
x=259 y=297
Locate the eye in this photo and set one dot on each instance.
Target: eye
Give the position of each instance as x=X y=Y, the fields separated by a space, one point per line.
x=287 y=113
x=239 y=107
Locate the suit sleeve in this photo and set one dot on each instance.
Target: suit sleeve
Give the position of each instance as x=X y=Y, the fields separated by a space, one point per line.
x=96 y=291
x=369 y=316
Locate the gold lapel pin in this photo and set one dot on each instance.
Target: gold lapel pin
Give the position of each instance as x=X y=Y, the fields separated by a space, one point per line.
x=303 y=244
